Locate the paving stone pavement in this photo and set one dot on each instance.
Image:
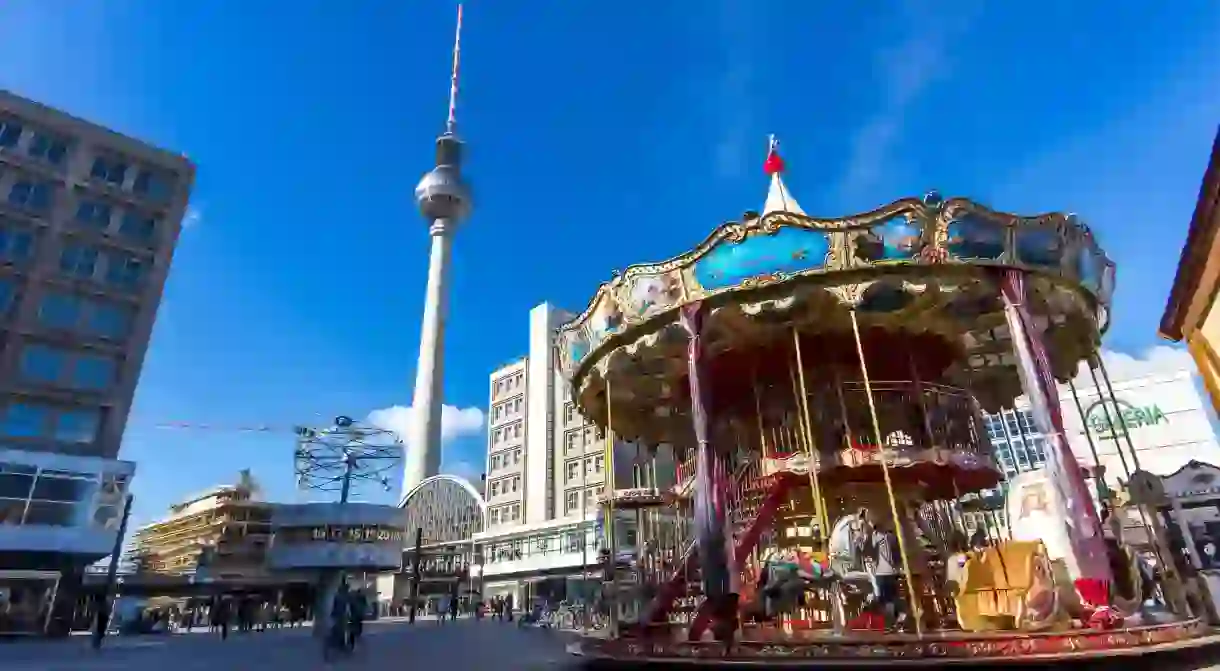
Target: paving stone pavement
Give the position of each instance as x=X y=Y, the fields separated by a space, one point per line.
x=453 y=646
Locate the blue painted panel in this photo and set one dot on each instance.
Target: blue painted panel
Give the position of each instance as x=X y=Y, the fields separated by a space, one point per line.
x=898 y=238
x=578 y=349
x=789 y=250
x=1089 y=267
x=973 y=238
x=1039 y=246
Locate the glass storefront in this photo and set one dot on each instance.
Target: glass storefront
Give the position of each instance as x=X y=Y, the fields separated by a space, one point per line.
x=31 y=495
x=25 y=601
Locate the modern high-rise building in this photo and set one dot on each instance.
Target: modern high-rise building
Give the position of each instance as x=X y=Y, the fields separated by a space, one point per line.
x=88 y=224
x=546 y=467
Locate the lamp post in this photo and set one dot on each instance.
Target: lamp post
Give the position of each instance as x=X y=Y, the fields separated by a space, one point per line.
x=103 y=606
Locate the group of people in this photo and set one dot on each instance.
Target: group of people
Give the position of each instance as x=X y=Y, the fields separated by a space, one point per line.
x=501 y=607
x=348 y=610
x=246 y=615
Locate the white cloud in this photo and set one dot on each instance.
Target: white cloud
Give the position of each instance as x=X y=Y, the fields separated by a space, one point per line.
x=1156 y=360
x=455 y=422
x=906 y=72
x=193 y=216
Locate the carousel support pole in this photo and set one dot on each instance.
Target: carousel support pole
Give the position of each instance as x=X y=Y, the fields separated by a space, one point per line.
x=1105 y=376
x=1103 y=490
x=1149 y=516
x=815 y=486
x=900 y=532
x=762 y=431
x=1105 y=406
x=709 y=505
x=847 y=437
x=611 y=521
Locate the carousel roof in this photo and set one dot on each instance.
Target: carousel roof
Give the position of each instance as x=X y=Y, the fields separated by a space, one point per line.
x=921 y=273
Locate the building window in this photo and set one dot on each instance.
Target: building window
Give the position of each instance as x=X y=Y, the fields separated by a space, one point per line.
x=125 y=271
x=138 y=226
x=517 y=456
x=24 y=420
x=30 y=195
x=571 y=502
x=495 y=463
x=60 y=311
x=495 y=516
x=495 y=489
x=93 y=372
x=516 y=511
x=77 y=426
x=40 y=363
x=108 y=320
x=51 y=149
x=94 y=214
x=516 y=482
x=151 y=184
x=10 y=133
x=16 y=245
x=8 y=295
x=569 y=441
x=78 y=261
x=109 y=170
x=573 y=470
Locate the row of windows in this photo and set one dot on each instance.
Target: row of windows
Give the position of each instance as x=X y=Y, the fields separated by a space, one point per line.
x=504 y=460
x=100 y=216
x=593 y=466
x=572 y=499
x=506 y=410
x=580 y=439
x=80 y=261
x=58 y=366
x=1018 y=456
x=549 y=543
x=111 y=169
x=60 y=311
x=505 y=514
x=1016 y=421
x=506 y=486
x=506 y=433
x=508 y=384
x=570 y=416
x=63 y=424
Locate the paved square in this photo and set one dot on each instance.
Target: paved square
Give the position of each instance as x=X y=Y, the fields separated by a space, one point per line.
x=454 y=646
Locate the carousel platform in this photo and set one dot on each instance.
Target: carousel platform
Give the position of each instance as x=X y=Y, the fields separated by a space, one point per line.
x=1182 y=645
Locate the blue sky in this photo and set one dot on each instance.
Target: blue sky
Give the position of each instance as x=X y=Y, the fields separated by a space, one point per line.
x=600 y=134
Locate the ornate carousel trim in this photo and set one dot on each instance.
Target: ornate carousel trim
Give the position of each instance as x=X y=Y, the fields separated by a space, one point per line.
x=895 y=243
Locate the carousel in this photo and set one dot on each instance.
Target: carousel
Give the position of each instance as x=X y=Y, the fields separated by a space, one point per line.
x=816 y=484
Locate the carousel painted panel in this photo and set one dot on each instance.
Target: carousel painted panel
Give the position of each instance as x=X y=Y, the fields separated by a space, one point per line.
x=650 y=293
x=1039 y=245
x=574 y=347
x=897 y=238
x=762 y=256
x=605 y=320
x=972 y=236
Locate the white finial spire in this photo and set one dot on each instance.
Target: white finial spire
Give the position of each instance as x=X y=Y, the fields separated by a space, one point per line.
x=778 y=198
x=451 y=124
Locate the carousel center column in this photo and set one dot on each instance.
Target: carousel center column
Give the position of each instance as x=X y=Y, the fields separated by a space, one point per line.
x=709 y=507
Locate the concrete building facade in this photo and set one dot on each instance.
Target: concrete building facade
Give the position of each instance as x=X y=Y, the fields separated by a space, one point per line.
x=89 y=220
x=546 y=467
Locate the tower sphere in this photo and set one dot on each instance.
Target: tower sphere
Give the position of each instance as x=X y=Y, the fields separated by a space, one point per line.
x=443 y=194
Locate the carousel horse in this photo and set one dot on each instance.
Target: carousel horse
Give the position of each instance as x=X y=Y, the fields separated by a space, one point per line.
x=853 y=586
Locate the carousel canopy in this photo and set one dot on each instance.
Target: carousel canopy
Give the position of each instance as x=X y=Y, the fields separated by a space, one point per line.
x=921 y=276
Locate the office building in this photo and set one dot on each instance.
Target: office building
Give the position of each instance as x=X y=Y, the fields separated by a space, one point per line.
x=546 y=467
x=88 y=224
x=221 y=534
x=1163 y=414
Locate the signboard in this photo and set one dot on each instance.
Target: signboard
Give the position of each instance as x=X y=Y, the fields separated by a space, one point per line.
x=333 y=533
x=1102 y=423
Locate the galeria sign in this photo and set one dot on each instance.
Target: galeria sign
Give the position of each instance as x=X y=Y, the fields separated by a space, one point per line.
x=1103 y=423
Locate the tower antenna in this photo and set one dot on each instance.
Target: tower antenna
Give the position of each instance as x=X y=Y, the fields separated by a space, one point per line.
x=451 y=124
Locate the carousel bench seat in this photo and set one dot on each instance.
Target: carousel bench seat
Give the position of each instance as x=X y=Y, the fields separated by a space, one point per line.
x=994 y=583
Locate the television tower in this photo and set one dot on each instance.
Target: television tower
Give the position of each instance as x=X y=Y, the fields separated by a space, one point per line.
x=444 y=200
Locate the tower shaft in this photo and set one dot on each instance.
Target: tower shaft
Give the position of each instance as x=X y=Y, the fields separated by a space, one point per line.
x=423 y=456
